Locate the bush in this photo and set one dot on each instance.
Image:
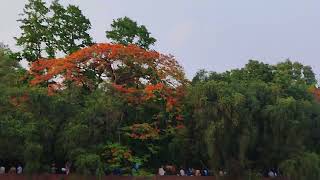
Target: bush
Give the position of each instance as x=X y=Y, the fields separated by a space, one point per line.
x=121 y=157
x=302 y=167
x=89 y=164
x=32 y=156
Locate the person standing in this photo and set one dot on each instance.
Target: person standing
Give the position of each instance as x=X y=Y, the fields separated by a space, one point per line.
x=68 y=166
x=12 y=170
x=161 y=171
x=197 y=173
x=19 y=169
x=271 y=173
x=189 y=172
x=2 y=170
x=205 y=172
x=221 y=173
x=182 y=172
x=53 y=168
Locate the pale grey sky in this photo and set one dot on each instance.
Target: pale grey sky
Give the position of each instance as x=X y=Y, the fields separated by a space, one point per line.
x=212 y=34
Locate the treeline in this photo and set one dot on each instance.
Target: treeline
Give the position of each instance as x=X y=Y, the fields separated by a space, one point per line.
x=105 y=106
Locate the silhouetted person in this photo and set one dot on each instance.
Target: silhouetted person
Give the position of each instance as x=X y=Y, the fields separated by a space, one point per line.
x=19 y=169
x=12 y=170
x=53 y=168
x=2 y=170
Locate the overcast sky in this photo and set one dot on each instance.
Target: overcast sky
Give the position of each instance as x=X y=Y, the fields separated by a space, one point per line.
x=212 y=34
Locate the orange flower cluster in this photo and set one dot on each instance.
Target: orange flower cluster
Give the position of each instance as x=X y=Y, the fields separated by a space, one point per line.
x=18 y=100
x=54 y=87
x=179 y=117
x=151 y=89
x=123 y=89
x=137 y=96
x=181 y=126
x=117 y=153
x=143 y=132
x=140 y=75
x=119 y=64
x=316 y=92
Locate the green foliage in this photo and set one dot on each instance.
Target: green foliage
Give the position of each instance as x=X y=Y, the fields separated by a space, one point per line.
x=89 y=164
x=254 y=117
x=47 y=31
x=4 y=50
x=117 y=156
x=70 y=26
x=32 y=156
x=302 y=167
x=244 y=120
x=126 y=31
x=12 y=120
x=34 y=29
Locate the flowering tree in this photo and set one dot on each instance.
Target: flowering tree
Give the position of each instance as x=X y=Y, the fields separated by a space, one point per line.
x=150 y=84
x=130 y=66
x=138 y=74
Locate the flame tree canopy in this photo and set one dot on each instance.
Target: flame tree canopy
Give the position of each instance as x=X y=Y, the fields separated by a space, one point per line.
x=129 y=66
x=150 y=85
x=136 y=73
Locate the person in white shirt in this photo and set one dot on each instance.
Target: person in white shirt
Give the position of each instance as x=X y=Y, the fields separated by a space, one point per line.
x=161 y=171
x=198 y=173
x=12 y=170
x=271 y=174
x=19 y=170
x=2 y=170
x=182 y=173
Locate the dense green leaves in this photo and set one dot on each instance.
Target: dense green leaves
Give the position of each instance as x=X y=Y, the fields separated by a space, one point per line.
x=245 y=120
x=47 y=31
x=140 y=113
x=34 y=30
x=69 y=27
x=302 y=167
x=252 y=118
x=126 y=31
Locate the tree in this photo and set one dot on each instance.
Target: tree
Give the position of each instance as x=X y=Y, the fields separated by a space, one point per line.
x=49 y=30
x=4 y=50
x=69 y=27
x=303 y=166
x=3 y=47
x=255 y=117
x=289 y=73
x=139 y=75
x=129 y=66
x=14 y=115
x=126 y=31
x=120 y=88
x=34 y=30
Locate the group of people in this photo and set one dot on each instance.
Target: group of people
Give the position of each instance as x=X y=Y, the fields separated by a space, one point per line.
x=53 y=169
x=12 y=170
x=171 y=170
x=64 y=170
x=273 y=173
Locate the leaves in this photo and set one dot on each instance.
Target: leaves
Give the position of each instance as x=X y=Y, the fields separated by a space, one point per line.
x=119 y=157
x=46 y=31
x=142 y=132
x=256 y=116
x=130 y=66
x=126 y=31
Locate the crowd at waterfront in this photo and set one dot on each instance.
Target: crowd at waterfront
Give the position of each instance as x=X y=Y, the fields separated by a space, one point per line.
x=11 y=170
x=172 y=170
x=168 y=170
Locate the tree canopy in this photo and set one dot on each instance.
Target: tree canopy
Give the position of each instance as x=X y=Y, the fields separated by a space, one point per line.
x=119 y=105
x=46 y=31
x=126 y=31
x=255 y=118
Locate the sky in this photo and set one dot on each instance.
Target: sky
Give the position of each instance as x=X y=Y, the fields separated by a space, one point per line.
x=216 y=35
